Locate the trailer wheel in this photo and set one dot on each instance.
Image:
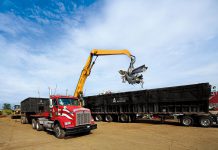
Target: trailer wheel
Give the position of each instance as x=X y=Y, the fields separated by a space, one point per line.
x=98 y=118
x=59 y=132
x=187 y=121
x=205 y=121
x=39 y=127
x=108 y=118
x=132 y=118
x=162 y=119
x=124 y=118
x=33 y=123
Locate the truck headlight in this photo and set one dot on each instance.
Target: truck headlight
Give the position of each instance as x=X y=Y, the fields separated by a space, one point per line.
x=67 y=123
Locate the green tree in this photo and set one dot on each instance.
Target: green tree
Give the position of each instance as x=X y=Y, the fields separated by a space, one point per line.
x=6 y=106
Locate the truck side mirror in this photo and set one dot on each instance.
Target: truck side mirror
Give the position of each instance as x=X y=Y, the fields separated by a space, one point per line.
x=50 y=103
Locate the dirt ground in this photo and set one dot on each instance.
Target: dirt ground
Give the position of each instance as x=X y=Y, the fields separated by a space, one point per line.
x=110 y=136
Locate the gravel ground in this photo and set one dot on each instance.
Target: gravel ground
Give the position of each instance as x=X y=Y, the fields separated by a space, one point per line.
x=110 y=136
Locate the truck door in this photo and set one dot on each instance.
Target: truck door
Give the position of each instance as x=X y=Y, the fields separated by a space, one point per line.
x=55 y=109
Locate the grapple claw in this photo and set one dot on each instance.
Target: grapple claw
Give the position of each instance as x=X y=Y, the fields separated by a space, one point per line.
x=132 y=75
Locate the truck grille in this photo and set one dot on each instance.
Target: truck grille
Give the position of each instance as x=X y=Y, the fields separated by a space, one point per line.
x=83 y=118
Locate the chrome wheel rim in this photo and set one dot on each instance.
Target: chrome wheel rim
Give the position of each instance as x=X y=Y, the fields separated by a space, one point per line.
x=57 y=131
x=37 y=126
x=187 y=122
x=205 y=122
x=98 y=118
x=108 y=118
x=33 y=125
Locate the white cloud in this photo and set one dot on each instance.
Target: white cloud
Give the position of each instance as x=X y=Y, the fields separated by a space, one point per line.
x=14 y=25
x=167 y=36
x=170 y=37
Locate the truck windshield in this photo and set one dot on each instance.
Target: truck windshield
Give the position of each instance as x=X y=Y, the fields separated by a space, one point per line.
x=68 y=101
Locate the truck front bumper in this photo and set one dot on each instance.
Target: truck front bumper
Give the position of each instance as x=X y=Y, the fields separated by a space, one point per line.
x=81 y=129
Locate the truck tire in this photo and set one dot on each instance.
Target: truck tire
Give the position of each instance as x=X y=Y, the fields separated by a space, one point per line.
x=162 y=119
x=39 y=127
x=108 y=118
x=205 y=121
x=59 y=132
x=124 y=118
x=98 y=118
x=22 y=120
x=26 y=120
x=187 y=121
x=33 y=123
x=132 y=118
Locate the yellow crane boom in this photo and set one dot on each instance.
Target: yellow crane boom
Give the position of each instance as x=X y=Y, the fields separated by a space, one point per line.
x=89 y=64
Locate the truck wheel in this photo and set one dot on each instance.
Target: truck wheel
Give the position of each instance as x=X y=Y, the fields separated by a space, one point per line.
x=26 y=120
x=124 y=118
x=22 y=120
x=39 y=127
x=187 y=121
x=33 y=123
x=162 y=119
x=108 y=118
x=132 y=118
x=98 y=118
x=59 y=132
x=205 y=121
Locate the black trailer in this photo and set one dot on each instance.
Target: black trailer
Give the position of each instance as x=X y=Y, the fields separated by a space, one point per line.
x=31 y=106
x=189 y=103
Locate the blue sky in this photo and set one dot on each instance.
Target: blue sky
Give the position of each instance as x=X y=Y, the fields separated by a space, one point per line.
x=46 y=43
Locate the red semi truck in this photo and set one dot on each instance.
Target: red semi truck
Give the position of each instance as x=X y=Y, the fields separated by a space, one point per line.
x=61 y=114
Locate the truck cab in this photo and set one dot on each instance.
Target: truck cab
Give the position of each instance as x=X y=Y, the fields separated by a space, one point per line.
x=69 y=116
x=61 y=114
